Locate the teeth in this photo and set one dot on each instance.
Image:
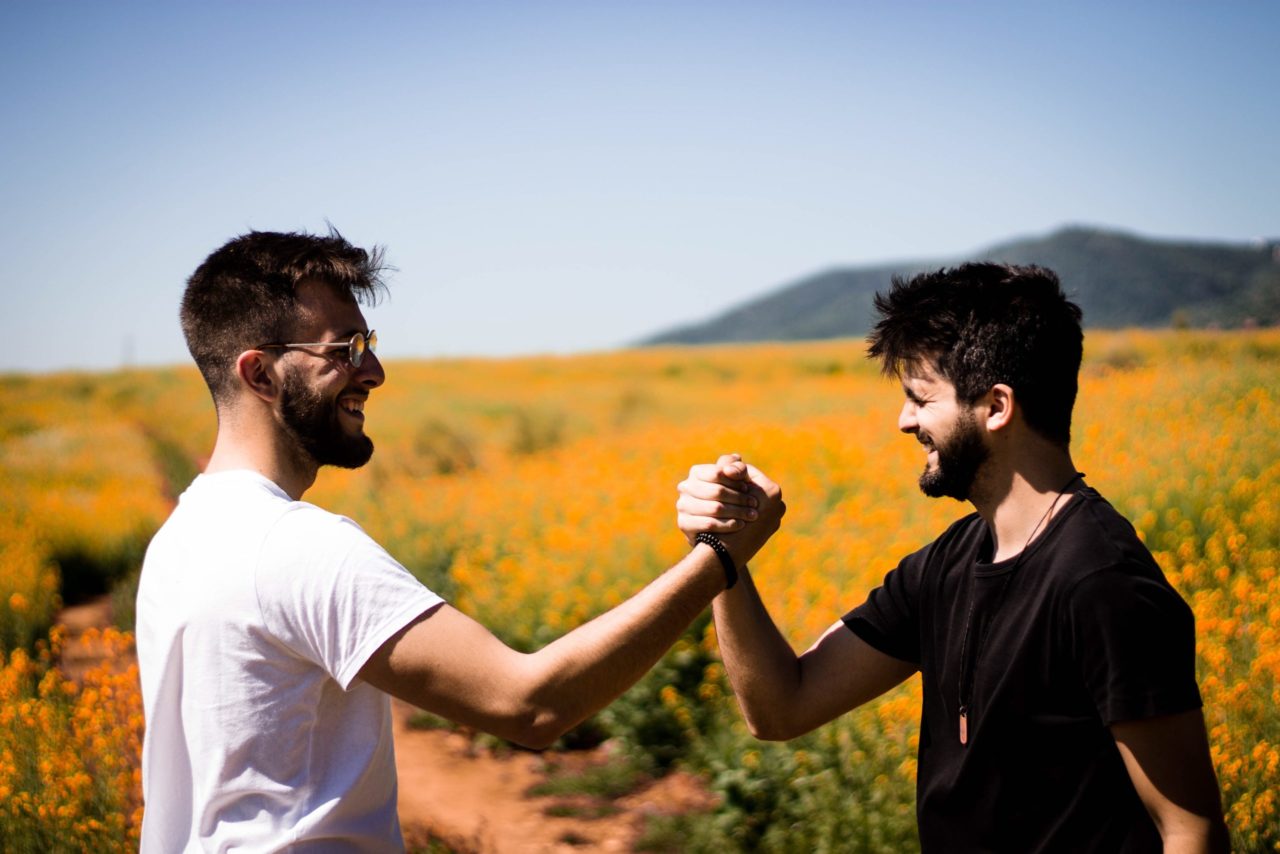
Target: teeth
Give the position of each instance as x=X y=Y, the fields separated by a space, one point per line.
x=353 y=405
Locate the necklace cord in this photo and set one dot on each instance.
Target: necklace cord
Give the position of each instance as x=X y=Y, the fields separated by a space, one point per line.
x=968 y=669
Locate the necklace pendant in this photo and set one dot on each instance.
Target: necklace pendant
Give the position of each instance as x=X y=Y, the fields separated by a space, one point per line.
x=964 y=728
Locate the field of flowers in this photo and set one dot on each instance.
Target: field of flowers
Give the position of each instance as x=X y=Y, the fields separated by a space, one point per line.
x=535 y=493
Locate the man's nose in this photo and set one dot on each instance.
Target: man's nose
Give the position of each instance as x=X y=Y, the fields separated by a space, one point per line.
x=370 y=373
x=907 y=418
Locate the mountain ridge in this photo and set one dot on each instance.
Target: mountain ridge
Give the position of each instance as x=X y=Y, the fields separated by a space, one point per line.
x=1118 y=279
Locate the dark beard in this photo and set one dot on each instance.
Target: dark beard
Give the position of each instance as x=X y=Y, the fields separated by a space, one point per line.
x=312 y=421
x=958 y=462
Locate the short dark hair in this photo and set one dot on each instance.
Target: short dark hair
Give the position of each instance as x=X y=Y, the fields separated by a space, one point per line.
x=244 y=295
x=982 y=324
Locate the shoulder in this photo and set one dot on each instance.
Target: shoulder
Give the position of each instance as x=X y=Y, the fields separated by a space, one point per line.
x=964 y=530
x=955 y=547
x=930 y=564
x=961 y=536
x=958 y=545
x=1109 y=575
x=891 y=618
x=1094 y=537
x=311 y=551
x=313 y=529
x=1103 y=518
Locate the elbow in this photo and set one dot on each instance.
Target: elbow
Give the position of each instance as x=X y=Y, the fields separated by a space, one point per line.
x=534 y=725
x=546 y=707
x=771 y=728
x=533 y=740
x=762 y=732
x=538 y=729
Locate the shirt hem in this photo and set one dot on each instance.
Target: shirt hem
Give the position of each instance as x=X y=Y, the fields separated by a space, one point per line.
x=376 y=639
x=875 y=639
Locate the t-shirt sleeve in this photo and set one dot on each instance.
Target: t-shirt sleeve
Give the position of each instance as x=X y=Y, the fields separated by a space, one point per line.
x=1134 y=640
x=332 y=594
x=889 y=620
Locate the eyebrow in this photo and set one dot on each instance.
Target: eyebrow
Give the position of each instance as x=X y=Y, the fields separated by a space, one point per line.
x=346 y=336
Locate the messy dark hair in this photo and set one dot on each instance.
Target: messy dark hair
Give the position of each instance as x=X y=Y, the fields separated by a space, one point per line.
x=244 y=295
x=982 y=324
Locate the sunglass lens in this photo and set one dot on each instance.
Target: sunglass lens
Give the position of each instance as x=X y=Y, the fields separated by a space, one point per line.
x=357 y=349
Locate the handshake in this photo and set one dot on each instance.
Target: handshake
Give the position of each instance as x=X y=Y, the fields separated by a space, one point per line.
x=733 y=500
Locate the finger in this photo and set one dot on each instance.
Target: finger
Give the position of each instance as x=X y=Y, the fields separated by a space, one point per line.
x=733 y=475
x=770 y=501
x=728 y=459
x=716 y=492
x=762 y=480
x=694 y=525
x=688 y=506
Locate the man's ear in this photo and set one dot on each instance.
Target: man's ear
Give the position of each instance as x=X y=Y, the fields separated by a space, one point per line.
x=999 y=405
x=257 y=373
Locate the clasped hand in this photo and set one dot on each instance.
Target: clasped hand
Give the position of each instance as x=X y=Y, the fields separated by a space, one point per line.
x=733 y=500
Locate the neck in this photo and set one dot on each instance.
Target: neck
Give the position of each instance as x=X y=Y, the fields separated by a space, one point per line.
x=1019 y=497
x=259 y=448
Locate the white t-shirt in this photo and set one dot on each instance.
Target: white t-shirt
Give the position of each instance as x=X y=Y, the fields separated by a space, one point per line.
x=255 y=613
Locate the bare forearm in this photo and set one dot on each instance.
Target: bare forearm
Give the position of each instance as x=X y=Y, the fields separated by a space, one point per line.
x=1210 y=838
x=762 y=666
x=1169 y=762
x=449 y=664
x=588 y=668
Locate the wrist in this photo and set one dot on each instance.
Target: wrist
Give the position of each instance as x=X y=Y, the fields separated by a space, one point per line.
x=723 y=557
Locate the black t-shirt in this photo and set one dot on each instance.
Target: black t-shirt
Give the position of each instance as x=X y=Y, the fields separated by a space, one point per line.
x=1083 y=632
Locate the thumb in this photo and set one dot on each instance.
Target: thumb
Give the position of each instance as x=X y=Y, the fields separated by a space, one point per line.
x=732 y=466
x=761 y=479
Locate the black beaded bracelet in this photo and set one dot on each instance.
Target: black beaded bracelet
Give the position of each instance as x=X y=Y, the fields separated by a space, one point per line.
x=730 y=571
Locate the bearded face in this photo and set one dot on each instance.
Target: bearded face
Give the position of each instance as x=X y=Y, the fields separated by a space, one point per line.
x=314 y=422
x=960 y=455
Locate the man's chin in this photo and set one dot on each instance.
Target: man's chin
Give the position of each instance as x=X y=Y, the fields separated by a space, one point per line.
x=352 y=454
x=934 y=485
x=360 y=457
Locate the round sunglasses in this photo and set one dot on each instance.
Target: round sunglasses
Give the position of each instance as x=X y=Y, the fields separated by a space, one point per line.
x=356 y=347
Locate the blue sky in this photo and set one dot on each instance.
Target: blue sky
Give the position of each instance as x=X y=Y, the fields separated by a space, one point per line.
x=560 y=177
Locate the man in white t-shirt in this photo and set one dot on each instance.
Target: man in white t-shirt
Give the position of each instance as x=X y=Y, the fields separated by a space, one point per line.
x=271 y=633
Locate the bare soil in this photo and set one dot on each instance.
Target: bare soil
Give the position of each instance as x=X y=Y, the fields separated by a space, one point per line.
x=477 y=800
x=78 y=654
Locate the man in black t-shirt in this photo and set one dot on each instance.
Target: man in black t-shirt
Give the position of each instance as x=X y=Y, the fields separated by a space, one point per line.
x=1060 y=708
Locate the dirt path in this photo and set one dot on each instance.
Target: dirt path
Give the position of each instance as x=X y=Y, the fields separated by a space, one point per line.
x=78 y=655
x=471 y=799
x=475 y=800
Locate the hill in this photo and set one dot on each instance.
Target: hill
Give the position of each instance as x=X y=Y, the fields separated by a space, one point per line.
x=1117 y=279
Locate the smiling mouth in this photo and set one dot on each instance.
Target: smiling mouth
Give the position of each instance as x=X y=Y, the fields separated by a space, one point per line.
x=353 y=406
